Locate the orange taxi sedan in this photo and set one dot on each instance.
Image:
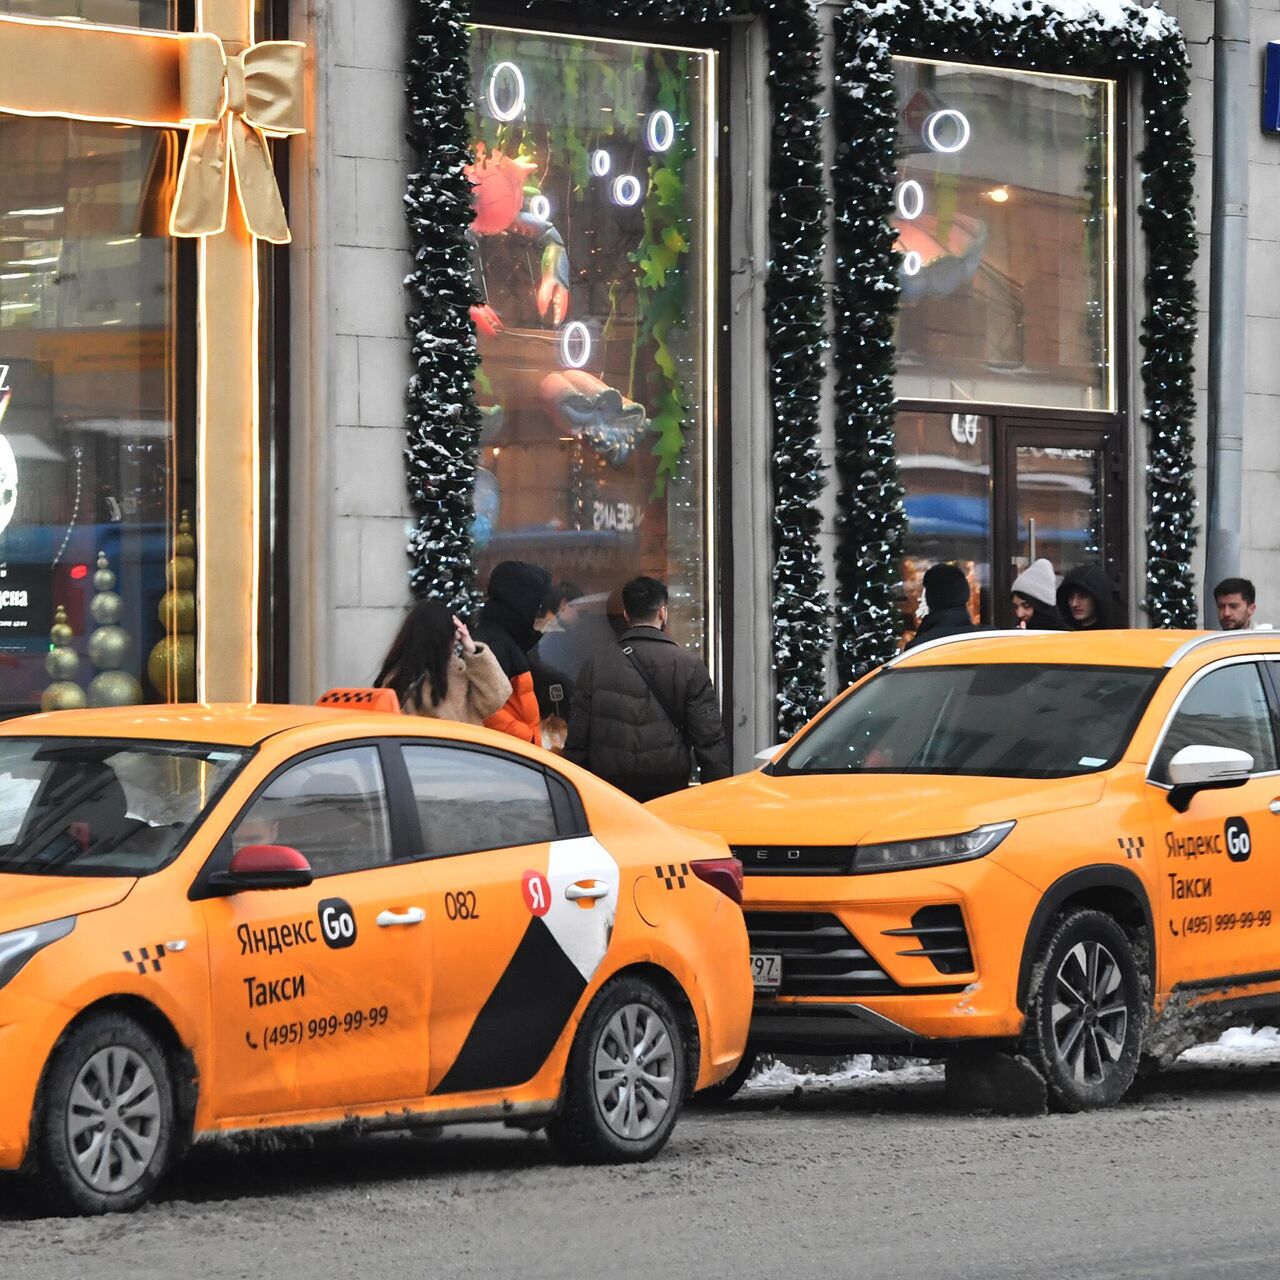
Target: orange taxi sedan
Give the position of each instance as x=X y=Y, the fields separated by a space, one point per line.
x=226 y=919
x=1065 y=846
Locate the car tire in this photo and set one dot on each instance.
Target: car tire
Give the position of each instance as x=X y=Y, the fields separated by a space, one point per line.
x=620 y=1106
x=105 y=1131
x=716 y=1095
x=1086 y=1013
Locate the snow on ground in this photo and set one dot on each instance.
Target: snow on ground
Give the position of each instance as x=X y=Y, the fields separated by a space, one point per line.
x=778 y=1077
x=1239 y=1046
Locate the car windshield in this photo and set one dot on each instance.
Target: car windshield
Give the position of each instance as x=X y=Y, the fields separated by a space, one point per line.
x=1008 y=720
x=72 y=807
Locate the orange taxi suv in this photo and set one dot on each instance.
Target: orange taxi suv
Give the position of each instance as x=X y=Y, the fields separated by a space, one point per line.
x=220 y=920
x=1064 y=845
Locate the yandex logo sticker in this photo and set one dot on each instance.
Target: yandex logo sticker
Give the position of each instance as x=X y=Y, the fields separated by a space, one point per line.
x=537 y=893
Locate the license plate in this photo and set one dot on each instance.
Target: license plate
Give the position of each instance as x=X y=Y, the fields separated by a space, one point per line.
x=766 y=972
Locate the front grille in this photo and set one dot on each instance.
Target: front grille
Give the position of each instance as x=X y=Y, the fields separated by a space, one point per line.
x=942 y=937
x=820 y=957
x=795 y=860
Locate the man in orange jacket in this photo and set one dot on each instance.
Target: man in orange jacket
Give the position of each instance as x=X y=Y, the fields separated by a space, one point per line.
x=515 y=595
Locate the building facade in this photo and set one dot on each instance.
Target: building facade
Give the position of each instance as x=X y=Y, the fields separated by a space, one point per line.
x=207 y=426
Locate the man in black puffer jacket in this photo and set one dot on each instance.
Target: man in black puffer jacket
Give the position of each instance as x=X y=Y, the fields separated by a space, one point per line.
x=643 y=706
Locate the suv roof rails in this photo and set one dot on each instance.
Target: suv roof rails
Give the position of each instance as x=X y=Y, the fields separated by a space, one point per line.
x=958 y=639
x=1196 y=641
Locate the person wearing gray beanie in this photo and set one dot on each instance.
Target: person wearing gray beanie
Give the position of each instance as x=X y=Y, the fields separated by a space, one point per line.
x=1035 y=598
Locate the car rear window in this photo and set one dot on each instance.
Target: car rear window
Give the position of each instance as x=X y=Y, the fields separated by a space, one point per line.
x=1006 y=720
x=75 y=807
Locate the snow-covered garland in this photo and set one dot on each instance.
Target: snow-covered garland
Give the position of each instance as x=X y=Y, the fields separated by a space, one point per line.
x=442 y=420
x=1088 y=37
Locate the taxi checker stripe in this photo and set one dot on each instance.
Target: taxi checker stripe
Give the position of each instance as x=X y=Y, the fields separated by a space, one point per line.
x=145 y=957
x=674 y=875
x=1131 y=846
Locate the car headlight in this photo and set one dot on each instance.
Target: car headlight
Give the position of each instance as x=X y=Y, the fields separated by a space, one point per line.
x=18 y=947
x=932 y=852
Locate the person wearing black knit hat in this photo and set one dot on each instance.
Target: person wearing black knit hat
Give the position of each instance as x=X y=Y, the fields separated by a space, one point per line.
x=944 y=606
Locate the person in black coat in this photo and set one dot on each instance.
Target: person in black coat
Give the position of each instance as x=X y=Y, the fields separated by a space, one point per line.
x=1085 y=600
x=946 y=603
x=644 y=709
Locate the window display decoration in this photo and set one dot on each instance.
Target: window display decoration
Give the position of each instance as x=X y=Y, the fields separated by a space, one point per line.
x=442 y=419
x=1071 y=36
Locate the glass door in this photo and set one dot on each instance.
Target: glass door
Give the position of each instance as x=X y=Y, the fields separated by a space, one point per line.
x=1061 y=502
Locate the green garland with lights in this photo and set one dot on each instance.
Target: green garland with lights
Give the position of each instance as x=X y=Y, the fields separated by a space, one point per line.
x=872 y=522
x=442 y=421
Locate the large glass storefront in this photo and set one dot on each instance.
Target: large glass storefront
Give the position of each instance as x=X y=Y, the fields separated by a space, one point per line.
x=594 y=171
x=1009 y=435
x=95 y=445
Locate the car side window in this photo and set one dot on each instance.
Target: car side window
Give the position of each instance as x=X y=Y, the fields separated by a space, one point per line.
x=1226 y=708
x=469 y=801
x=332 y=808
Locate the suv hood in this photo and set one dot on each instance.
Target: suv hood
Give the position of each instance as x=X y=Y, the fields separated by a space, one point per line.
x=28 y=900
x=866 y=808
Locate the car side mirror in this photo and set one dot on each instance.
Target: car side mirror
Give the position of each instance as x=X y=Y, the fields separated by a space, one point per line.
x=263 y=866
x=1206 y=769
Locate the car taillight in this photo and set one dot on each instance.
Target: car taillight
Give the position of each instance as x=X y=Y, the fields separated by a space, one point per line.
x=724 y=874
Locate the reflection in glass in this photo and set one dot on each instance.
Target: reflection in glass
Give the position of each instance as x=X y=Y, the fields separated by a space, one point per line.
x=944 y=462
x=1005 y=219
x=161 y=14
x=1060 y=510
x=592 y=241
x=87 y=354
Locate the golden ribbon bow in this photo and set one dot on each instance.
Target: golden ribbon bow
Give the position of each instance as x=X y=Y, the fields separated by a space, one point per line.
x=231 y=102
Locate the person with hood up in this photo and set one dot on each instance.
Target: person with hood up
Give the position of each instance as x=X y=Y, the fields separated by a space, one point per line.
x=944 y=605
x=515 y=595
x=1084 y=599
x=1035 y=599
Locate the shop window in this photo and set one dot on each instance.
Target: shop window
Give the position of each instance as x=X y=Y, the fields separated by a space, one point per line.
x=94 y=471
x=944 y=460
x=163 y=14
x=593 y=242
x=1005 y=217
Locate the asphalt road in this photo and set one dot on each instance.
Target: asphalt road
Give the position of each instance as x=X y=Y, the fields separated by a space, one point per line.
x=867 y=1177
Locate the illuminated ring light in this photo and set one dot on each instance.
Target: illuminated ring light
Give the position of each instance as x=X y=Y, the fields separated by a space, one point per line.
x=601 y=163
x=963 y=131
x=515 y=76
x=911 y=263
x=540 y=207
x=909 y=197
x=627 y=190
x=575 y=345
x=659 y=131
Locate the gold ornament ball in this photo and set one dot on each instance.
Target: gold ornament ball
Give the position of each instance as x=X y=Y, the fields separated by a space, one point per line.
x=174 y=658
x=104 y=579
x=114 y=689
x=62 y=664
x=62 y=696
x=106 y=607
x=178 y=611
x=109 y=648
x=181 y=573
x=61 y=632
x=184 y=544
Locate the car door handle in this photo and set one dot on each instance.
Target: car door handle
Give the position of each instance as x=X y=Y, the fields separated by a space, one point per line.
x=410 y=915
x=586 y=889
x=1274 y=806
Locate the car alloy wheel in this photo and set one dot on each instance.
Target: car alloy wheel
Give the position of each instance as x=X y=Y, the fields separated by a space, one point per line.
x=635 y=1072
x=1086 y=1010
x=113 y=1119
x=1090 y=1013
